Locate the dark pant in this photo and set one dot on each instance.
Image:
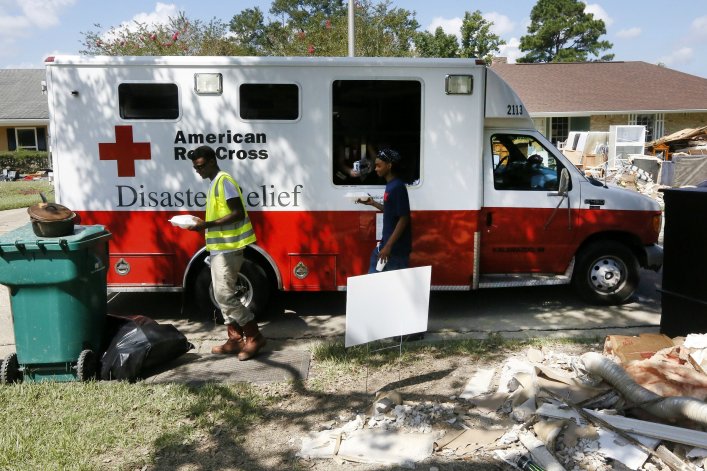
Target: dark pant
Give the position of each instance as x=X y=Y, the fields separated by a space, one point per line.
x=395 y=262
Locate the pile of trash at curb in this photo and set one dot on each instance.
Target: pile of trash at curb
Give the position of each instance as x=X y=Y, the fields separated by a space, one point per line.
x=639 y=405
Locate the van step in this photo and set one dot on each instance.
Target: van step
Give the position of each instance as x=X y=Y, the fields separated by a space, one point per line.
x=522 y=279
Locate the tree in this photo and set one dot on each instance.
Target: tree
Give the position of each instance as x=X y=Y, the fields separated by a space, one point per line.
x=440 y=44
x=477 y=38
x=297 y=28
x=382 y=31
x=320 y=28
x=561 y=31
x=178 y=37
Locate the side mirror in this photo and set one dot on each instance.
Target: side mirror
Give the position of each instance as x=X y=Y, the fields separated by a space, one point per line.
x=564 y=182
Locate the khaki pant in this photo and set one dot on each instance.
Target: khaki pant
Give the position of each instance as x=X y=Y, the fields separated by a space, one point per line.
x=224 y=278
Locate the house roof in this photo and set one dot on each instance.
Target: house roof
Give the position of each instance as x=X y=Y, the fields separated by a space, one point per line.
x=603 y=88
x=21 y=94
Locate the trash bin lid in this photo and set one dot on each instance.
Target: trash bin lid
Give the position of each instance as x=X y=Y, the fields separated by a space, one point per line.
x=23 y=239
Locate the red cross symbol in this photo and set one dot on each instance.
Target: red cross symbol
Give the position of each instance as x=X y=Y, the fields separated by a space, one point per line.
x=124 y=151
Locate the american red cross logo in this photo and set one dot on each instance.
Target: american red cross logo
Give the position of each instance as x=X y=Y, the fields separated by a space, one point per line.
x=124 y=151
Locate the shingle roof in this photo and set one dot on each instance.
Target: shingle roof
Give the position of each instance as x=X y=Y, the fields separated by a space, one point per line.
x=21 y=94
x=611 y=87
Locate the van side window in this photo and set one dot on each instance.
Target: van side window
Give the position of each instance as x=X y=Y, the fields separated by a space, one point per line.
x=521 y=163
x=269 y=101
x=369 y=115
x=148 y=100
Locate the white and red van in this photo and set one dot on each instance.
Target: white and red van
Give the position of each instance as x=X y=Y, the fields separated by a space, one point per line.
x=494 y=204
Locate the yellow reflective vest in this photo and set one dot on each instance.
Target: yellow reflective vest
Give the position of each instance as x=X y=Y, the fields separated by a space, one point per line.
x=228 y=236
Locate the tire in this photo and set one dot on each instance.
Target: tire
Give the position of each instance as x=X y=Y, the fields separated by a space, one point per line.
x=606 y=273
x=254 y=290
x=10 y=370
x=86 y=367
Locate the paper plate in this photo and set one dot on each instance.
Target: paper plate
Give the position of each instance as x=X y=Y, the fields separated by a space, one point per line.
x=184 y=220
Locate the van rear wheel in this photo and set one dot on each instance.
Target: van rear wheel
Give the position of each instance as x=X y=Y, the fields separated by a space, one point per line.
x=606 y=273
x=253 y=290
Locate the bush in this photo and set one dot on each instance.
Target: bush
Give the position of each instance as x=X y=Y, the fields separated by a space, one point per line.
x=25 y=161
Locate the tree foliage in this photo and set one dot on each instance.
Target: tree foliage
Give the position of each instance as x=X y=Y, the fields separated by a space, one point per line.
x=298 y=28
x=320 y=28
x=180 y=36
x=439 y=44
x=561 y=31
x=477 y=40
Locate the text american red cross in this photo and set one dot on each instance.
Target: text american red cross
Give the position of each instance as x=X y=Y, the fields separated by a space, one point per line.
x=124 y=151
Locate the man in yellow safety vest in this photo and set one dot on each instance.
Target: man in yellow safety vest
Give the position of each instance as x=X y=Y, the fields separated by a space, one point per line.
x=228 y=231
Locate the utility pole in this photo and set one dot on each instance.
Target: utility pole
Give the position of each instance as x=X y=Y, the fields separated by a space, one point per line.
x=352 y=37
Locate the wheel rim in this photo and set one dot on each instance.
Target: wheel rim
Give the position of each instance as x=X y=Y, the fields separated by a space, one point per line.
x=607 y=275
x=244 y=291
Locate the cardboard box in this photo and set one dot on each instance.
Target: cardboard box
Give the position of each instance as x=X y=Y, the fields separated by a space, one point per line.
x=629 y=349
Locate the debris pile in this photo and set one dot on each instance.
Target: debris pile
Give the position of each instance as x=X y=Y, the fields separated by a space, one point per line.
x=689 y=141
x=639 y=406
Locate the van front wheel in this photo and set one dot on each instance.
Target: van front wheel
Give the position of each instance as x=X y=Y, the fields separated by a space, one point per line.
x=606 y=273
x=253 y=290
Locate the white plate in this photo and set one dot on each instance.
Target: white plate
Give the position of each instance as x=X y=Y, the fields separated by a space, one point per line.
x=184 y=221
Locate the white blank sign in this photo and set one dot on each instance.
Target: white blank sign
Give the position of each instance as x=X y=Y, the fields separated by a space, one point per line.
x=387 y=304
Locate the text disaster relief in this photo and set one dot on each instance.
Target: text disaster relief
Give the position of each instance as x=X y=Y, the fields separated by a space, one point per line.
x=266 y=196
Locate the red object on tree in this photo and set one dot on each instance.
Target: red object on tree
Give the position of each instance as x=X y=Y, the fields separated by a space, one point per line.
x=328 y=24
x=310 y=49
x=301 y=35
x=175 y=36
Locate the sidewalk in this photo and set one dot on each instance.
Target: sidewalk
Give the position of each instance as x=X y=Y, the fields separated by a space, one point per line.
x=282 y=359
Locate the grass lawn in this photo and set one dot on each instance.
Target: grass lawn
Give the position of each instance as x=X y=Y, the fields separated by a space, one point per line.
x=115 y=425
x=22 y=194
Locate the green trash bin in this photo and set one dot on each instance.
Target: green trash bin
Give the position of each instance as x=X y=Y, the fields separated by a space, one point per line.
x=58 y=298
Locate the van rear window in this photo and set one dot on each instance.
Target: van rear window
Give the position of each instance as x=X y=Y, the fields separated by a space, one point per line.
x=269 y=101
x=148 y=100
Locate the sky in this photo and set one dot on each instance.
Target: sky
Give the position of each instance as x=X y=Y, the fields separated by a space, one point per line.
x=672 y=33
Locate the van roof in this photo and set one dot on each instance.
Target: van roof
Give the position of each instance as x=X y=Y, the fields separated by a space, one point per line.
x=227 y=61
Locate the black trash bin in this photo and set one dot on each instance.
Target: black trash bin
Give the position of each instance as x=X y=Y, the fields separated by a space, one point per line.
x=684 y=293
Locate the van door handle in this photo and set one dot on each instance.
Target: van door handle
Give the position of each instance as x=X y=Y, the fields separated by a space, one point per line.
x=489 y=219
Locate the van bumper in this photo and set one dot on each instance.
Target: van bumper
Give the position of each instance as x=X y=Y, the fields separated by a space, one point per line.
x=654 y=257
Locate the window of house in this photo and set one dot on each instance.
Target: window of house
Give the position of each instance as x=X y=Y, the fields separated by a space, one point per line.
x=269 y=101
x=580 y=123
x=148 y=100
x=369 y=115
x=521 y=163
x=559 y=129
x=26 y=138
x=646 y=120
x=654 y=123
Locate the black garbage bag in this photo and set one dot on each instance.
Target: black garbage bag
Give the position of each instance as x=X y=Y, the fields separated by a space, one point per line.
x=139 y=344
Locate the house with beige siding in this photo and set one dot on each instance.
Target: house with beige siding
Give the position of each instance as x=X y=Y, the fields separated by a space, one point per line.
x=24 y=111
x=591 y=96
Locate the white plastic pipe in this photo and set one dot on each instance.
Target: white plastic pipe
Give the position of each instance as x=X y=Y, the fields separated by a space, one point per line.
x=670 y=408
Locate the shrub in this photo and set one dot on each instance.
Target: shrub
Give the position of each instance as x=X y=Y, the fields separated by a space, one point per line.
x=25 y=161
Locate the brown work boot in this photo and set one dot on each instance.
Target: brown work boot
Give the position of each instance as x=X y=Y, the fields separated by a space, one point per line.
x=234 y=344
x=254 y=341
